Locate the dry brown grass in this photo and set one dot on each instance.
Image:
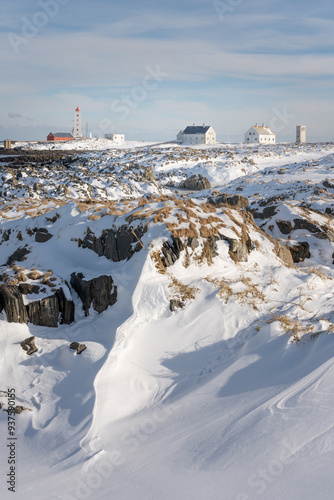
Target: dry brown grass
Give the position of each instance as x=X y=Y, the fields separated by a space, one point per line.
x=182 y=291
x=225 y=291
x=157 y=258
x=205 y=255
x=293 y=327
x=251 y=294
x=319 y=272
x=182 y=232
x=21 y=276
x=187 y=258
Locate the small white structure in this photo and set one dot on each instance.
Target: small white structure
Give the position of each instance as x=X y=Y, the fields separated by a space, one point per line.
x=196 y=134
x=301 y=134
x=115 y=137
x=77 y=124
x=260 y=135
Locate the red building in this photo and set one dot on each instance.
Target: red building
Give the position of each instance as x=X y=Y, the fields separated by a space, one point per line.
x=60 y=136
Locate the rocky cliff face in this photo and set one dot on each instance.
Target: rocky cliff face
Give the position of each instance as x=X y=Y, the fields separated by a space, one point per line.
x=11 y=301
x=115 y=244
x=47 y=311
x=100 y=293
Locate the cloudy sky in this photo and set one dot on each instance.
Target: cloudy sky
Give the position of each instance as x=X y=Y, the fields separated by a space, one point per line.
x=148 y=69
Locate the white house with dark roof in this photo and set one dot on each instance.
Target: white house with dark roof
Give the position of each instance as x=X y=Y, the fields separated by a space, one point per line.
x=197 y=134
x=260 y=135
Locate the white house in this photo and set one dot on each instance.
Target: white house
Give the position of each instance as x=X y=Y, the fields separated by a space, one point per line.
x=197 y=134
x=115 y=137
x=260 y=135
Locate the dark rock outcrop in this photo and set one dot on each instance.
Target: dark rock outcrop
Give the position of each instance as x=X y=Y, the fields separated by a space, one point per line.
x=171 y=251
x=305 y=224
x=267 y=212
x=195 y=183
x=284 y=226
x=29 y=345
x=42 y=235
x=78 y=347
x=327 y=184
x=300 y=252
x=27 y=288
x=18 y=256
x=66 y=308
x=98 y=292
x=11 y=302
x=232 y=200
x=51 y=310
x=44 y=312
x=115 y=244
x=6 y=234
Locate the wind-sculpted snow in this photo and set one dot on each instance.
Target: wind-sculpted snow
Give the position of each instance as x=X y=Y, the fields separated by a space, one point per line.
x=211 y=375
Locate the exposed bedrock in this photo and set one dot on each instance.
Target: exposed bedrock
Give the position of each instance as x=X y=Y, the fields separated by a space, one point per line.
x=100 y=293
x=115 y=244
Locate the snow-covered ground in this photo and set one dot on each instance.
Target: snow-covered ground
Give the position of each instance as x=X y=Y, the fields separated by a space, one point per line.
x=96 y=143
x=229 y=397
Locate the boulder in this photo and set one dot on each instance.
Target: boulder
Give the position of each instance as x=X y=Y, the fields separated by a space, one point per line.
x=11 y=302
x=98 y=292
x=193 y=243
x=196 y=182
x=42 y=235
x=78 y=347
x=284 y=226
x=238 y=250
x=233 y=200
x=29 y=345
x=284 y=254
x=300 y=251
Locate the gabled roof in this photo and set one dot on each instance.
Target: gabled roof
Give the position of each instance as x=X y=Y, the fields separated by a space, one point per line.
x=196 y=129
x=62 y=134
x=263 y=130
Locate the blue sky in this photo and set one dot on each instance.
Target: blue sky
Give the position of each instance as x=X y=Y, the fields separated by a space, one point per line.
x=148 y=70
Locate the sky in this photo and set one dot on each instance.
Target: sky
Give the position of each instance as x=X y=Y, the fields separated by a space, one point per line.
x=148 y=69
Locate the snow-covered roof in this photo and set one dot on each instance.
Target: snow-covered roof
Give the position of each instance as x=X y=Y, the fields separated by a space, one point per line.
x=263 y=130
x=196 y=129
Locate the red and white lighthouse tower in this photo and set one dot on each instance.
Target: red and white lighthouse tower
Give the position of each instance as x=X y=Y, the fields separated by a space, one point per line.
x=77 y=124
